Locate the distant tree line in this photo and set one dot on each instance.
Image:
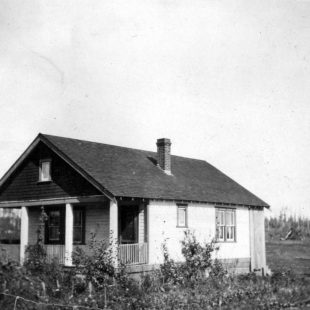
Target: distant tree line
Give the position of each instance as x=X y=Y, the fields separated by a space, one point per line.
x=287 y=227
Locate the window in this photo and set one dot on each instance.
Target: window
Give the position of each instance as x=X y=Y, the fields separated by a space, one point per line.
x=79 y=226
x=9 y=226
x=182 y=215
x=55 y=226
x=226 y=225
x=45 y=170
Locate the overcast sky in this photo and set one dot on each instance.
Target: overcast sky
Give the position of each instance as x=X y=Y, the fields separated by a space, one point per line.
x=226 y=81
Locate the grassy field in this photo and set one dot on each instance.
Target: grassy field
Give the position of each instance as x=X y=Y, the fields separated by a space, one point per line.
x=289 y=254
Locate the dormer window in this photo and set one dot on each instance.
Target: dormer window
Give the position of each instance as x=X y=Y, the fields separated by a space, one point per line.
x=45 y=170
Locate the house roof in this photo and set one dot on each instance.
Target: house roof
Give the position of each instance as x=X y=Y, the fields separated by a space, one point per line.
x=127 y=172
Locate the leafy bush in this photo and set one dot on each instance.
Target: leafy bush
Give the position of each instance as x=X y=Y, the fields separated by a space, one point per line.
x=197 y=256
x=175 y=286
x=36 y=254
x=198 y=262
x=170 y=270
x=97 y=263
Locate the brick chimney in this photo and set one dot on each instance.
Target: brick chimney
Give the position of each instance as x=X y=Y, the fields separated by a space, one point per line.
x=163 y=154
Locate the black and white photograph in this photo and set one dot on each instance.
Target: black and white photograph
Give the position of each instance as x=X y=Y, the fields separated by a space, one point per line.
x=154 y=154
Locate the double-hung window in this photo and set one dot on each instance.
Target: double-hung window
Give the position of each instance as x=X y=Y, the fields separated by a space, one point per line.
x=55 y=226
x=181 y=215
x=225 y=225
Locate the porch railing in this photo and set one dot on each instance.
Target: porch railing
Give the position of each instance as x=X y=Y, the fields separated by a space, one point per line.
x=133 y=254
x=55 y=251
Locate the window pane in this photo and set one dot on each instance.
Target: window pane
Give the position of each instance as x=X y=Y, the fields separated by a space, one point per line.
x=230 y=233
x=45 y=170
x=9 y=226
x=221 y=236
x=182 y=216
x=78 y=222
x=222 y=218
x=228 y=218
x=54 y=233
x=77 y=218
x=77 y=234
x=54 y=218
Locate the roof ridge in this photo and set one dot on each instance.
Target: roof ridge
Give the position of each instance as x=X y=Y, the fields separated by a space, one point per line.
x=95 y=142
x=119 y=146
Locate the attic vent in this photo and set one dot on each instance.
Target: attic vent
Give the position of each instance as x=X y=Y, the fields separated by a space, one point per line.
x=163 y=154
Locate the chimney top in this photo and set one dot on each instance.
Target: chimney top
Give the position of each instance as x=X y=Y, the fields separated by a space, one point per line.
x=163 y=141
x=163 y=154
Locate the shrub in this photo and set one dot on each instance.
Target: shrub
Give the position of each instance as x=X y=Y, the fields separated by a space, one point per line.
x=97 y=263
x=36 y=254
x=197 y=256
x=170 y=270
x=198 y=261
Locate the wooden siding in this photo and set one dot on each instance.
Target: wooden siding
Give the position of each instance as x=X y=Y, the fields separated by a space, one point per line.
x=257 y=239
x=201 y=221
x=66 y=182
x=34 y=222
x=141 y=224
x=96 y=221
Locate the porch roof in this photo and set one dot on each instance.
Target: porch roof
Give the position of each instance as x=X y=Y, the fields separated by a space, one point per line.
x=127 y=172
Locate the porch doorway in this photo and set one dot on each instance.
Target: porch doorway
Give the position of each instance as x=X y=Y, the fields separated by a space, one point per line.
x=129 y=225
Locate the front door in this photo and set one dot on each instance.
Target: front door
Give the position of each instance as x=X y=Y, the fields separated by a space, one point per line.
x=129 y=224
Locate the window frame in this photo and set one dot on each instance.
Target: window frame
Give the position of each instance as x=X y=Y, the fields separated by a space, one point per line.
x=62 y=229
x=224 y=226
x=42 y=161
x=182 y=207
x=79 y=209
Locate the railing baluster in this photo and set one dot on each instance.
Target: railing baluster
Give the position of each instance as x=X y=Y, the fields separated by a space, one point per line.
x=55 y=251
x=132 y=254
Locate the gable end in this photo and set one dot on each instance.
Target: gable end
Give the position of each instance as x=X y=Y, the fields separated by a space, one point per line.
x=24 y=184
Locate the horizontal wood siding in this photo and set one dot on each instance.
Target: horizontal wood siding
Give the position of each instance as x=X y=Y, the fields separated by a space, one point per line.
x=97 y=222
x=141 y=224
x=201 y=220
x=66 y=182
x=236 y=265
x=34 y=223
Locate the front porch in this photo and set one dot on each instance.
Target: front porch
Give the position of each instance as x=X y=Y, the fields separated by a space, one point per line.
x=70 y=224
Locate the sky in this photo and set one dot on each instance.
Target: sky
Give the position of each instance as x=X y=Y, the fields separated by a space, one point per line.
x=226 y=81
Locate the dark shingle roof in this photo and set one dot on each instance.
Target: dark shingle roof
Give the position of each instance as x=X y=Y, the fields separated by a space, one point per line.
x=130 y=172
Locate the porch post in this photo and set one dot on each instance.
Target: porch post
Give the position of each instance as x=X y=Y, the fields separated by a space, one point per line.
x=114 y=226
x=69 y=235
x=24 y=228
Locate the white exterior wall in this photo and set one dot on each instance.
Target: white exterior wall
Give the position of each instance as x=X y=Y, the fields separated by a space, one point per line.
x=201 y=221
x=141 y=226
x=257 y=239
